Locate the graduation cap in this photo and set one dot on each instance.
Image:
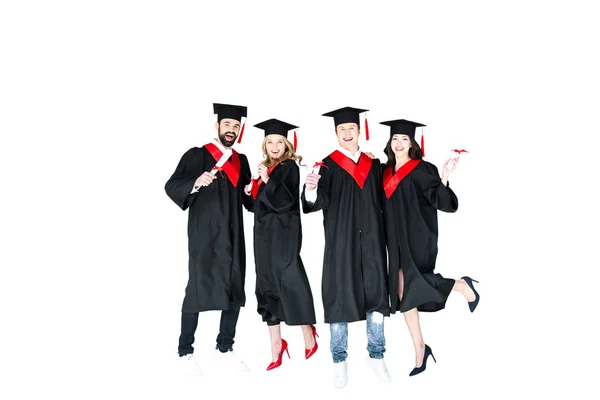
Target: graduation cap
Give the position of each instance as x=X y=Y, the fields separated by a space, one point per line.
x=348 y=114
x=275 y=126
x=229 y=111
x=405 y=127
x=233 y=112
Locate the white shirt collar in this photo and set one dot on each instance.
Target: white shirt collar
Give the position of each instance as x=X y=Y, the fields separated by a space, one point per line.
x=354 y=157
x=221 y=147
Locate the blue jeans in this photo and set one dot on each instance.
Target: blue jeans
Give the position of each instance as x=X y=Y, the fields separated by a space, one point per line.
x=375 y=336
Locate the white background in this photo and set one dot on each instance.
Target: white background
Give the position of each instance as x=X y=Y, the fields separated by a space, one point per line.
x=99 y=100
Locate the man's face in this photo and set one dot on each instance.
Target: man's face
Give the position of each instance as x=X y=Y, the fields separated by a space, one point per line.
x=228 y=130
x=347 y=135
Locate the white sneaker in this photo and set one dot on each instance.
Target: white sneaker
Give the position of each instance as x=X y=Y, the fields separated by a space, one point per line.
x=189 y=365
x=380 y=369
x=232 y=361
x=340 y=376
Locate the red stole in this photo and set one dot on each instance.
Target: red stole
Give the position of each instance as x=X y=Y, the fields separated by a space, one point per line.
x=358 y=172
x=232 y=169
x=259 y=181
x=390 y=182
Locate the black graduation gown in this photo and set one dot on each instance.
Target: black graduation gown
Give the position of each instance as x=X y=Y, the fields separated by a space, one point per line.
x=282 y=287
x=412 y=232
x=354 y=263
x=217 y=254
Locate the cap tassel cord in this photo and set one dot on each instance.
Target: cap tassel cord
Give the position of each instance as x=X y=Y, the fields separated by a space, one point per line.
x=242 y=132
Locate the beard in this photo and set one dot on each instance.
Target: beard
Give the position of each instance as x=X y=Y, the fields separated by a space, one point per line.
x=224 y=140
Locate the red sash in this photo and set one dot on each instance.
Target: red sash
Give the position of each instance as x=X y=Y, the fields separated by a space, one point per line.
x=358 y=172
x=259 y=181
x=232 y=169
x=390 y=182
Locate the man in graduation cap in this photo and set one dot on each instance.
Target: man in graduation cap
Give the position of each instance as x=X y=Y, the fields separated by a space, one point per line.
x=209 y=181
x=347 y=188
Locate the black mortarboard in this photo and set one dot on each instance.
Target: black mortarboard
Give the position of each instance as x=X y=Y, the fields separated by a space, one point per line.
x=229 y=111
x=348 y=114
x=405 y=127
x=275 y=126
x=402 y=127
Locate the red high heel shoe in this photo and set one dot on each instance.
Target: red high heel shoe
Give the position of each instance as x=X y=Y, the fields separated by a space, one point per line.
x=277 y=363
x=309 y=352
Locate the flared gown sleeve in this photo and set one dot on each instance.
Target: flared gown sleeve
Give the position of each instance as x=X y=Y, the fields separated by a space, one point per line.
x=280 y=193
x=435 y=192
x=180 y=184
x=245 y=178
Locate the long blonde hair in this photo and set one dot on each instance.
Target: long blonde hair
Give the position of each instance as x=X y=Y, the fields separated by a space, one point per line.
x=289 y=154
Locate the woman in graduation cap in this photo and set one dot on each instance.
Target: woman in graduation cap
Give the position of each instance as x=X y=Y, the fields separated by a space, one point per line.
x=414 y=193
x=283 y=291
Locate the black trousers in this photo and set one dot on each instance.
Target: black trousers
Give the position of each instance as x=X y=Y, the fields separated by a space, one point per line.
x=189 y=323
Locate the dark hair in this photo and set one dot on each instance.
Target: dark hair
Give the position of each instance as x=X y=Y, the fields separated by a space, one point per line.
x=415 y=152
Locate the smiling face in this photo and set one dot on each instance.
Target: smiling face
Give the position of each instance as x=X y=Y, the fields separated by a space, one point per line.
x=347 y=135
x=275 y=145
x=400 y=145
x=228 y=130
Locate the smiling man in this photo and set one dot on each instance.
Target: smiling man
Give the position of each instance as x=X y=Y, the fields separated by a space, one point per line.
x=209 y=181
x=347 y=188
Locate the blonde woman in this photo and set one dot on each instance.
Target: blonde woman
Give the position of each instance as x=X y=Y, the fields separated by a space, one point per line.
x=283 y=291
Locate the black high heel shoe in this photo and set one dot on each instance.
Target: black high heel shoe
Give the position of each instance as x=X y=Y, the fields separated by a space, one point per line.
x=420 y=369
x=472 y=304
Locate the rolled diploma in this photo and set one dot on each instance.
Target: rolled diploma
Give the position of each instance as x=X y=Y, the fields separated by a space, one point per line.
x=221 y=161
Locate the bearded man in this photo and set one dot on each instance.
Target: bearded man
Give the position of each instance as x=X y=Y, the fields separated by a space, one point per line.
x=209 y=181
